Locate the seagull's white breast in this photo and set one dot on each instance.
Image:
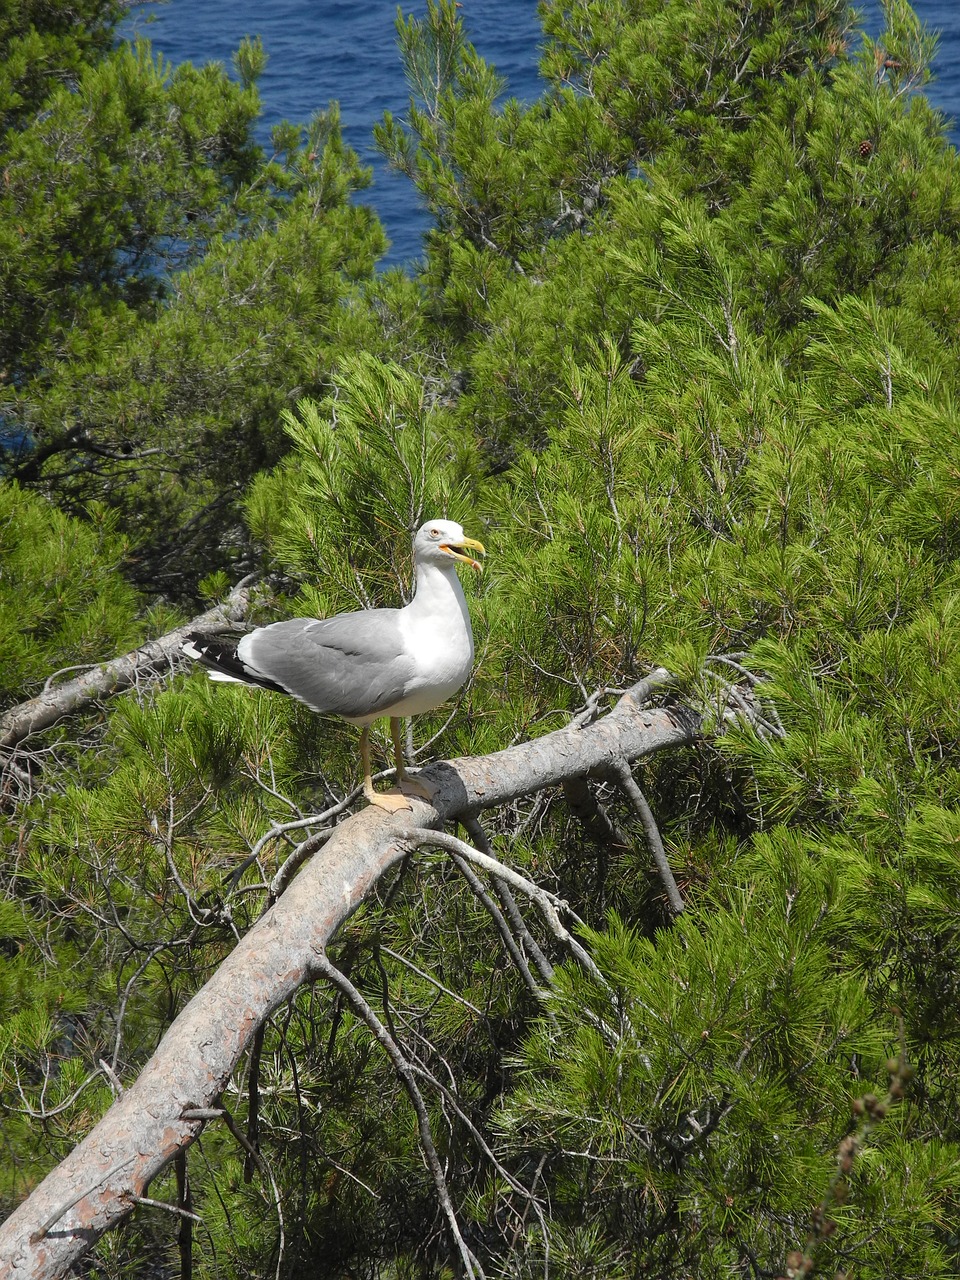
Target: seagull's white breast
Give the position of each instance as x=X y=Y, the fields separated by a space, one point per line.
x=436 y=631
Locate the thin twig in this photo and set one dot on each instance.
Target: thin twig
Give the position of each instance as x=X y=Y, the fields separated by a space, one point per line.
x=479 y=837
x=434 y=982
x=292 y=864
x=503 y=928
x=170 y=1208
x=405 y=1071
x=104 y=679
x=221 y=1113
x=267 y=1172
x=621 y=771
x=550 y=905
x=111 y=1075
x=253 y=1102
x=185 y=1203
x=451 y=1098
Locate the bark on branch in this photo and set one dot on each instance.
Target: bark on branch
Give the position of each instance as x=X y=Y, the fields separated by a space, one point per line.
x=111 y=677
x=162 y=1111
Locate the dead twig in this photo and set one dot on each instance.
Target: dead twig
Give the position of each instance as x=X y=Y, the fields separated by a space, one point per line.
x=549 y=904
x=406 y=1073
x=621 y=771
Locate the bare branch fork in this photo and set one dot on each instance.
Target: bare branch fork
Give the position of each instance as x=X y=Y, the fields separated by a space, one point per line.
x=409 y=1069
x=549 y=904
x=161 y=1112
x=503 y=928
x=525 y=938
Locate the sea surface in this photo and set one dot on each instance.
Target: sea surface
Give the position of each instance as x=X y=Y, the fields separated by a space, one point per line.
x=321 y=50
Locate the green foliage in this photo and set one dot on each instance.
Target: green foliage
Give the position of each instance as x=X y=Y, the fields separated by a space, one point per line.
x=62 y=599
x=466 y=157
x=373 y=458
x=44 y=42
x=109 y=171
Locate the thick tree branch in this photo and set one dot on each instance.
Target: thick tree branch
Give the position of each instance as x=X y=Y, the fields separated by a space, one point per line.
x=162 y=1111
x=111 y=677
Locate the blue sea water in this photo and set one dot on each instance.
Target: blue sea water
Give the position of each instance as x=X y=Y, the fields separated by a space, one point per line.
x=339 y=49
x=321 y=50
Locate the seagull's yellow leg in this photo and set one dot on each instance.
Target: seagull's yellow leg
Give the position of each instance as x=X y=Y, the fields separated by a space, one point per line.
x=410 y=786
x=389 y=800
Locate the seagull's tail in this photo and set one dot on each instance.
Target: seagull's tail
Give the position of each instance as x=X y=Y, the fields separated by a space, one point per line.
x=222 y=661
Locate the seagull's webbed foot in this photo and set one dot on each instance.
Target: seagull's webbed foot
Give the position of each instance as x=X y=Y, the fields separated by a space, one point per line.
x=393 y=801
x=409 y=786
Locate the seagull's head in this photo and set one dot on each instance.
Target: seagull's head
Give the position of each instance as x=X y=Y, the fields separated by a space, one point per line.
x=441 y=540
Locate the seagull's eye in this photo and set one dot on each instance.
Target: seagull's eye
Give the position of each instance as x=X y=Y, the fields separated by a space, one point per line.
x=434 y=533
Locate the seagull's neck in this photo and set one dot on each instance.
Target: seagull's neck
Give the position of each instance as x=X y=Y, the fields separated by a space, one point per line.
x=439 y=596
x=436 y=586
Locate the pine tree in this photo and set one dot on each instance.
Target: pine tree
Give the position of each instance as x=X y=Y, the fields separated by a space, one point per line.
x=167 y=289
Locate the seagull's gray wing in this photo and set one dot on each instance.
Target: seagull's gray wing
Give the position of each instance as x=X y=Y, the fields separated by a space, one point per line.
x=354 y=665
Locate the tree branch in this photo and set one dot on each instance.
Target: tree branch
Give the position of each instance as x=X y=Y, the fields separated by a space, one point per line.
x=496 y=915
x=163 y=1111
x=549 y=904
x=621 y=771
x=111 y=677
x=479 y=837
x=404 y=1070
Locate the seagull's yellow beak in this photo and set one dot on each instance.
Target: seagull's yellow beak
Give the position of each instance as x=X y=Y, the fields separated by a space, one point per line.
x=458 y=551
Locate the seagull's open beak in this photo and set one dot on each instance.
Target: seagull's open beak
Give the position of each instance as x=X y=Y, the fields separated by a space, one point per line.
x=458 y=551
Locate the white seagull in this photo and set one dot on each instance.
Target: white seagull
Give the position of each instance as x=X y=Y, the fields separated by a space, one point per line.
x=373 y=663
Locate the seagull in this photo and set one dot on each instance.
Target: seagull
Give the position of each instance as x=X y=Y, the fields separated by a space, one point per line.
x=370 y=664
